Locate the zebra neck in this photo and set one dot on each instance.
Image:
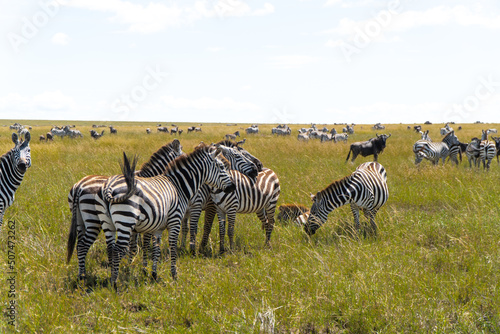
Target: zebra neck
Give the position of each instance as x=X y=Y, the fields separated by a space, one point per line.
x=187 y=179
x=9 y=172
x=337 y=194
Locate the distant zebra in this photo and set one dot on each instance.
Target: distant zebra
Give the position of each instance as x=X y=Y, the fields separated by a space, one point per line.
x=174 y=130
x=48 y=136
x=162 y=129
x=58 y=132
x=112 y=130
x=13 y=166
x=202 y=201
x=340 y=137
x=232 y=136
x=434 y=151
x=303 y=136
x=250 y=196
x=96 y=135
x=151 y=205
x=365 y=189
x=191 y=128
x=197 y=129
x=148 y=131
x=42 y=138
x=89 y=210
x=252 y=129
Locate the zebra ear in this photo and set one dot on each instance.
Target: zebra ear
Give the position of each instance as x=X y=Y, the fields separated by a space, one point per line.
x=312 y=196
x=15 y=138
x=27 y=137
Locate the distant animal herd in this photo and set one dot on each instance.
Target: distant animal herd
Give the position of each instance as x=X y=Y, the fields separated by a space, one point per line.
x=170 y=191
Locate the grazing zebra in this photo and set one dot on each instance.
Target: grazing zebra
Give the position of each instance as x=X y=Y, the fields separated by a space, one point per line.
x=89 y=210
x=42 y=138
x=303 y=136
x=151 y=205
x=365 y=189
x=48 y=136
x=472 y=151
x=94 y=134
x=13 y=166
x=232 y=136
x=340 y=137
x=112 y=130
x=191 y=129
x=203 y=201
x=252 y=129
x=250 y=196
x=148 y=131
x=162 y=129
x=197 y=129
x=289 y=212
x=434 y=151
x=174 y=130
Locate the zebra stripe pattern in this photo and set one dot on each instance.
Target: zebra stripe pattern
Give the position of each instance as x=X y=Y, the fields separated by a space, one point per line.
x=250 y=196
x=151 y=205
x=239 y=159
x=89 y=209
x=487 y=151
x=13 y=166
x=472 y=151
x=434 y=151
x=365 y=189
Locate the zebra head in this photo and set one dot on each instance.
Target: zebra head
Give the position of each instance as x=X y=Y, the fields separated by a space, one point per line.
x=451 y=139
x=239 y=161
x=316 y=219
x=21 y=157
x=218 y=176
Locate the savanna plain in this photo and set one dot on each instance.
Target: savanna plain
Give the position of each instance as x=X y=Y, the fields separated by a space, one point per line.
x=434 y=266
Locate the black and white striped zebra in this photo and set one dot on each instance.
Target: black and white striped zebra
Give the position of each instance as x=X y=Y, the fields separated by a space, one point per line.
x=151 y=205
x=497 y=145
x=487 y=150
x=13 y=166
x=250 y=196
x=89 y=209
x=433 y=151
x=365 y=189
x=203 y=201
x=472 y=152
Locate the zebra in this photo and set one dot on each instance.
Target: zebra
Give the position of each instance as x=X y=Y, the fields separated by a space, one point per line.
x=191 y=128
x=250 y=196
x=303 y=136
x=174 y=130
x=340 y=137
x=162 y=129
x=445 y=130
x=497 y=145
x=202 y=200
x=487 y=149
x=151 y=205
x=94 y=134
x=437 y=150
x=13 y=166
x=232 y=136
x=89 y=210
x=425 y=135
x=252 y=129
x=148 y=131
x=472 y=151
x=58 y=132
x=112 y=130
x=289 y=212
x=365 y=189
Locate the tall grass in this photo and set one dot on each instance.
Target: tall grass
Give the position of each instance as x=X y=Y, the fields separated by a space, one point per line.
x=434 y=267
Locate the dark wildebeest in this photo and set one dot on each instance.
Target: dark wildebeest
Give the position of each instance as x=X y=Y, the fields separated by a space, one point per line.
x=373 y=146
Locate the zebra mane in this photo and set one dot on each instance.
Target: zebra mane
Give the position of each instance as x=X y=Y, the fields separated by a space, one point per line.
x=160 y=154
x=334 y=184
x=199 y=150
x=7 y=154
x=227 y=143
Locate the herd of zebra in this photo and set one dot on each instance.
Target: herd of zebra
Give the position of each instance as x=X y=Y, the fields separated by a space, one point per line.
x=477 y=150
x=170 y=191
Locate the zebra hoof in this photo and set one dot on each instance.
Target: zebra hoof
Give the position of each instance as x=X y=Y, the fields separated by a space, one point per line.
x=155 y=276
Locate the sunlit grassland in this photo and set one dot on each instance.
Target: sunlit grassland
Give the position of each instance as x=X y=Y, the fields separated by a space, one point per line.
x=434 y=266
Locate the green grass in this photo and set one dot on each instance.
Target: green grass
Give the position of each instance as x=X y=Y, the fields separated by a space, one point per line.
x=435 y=266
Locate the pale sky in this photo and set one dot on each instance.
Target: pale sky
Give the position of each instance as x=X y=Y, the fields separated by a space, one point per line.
x=295 y=61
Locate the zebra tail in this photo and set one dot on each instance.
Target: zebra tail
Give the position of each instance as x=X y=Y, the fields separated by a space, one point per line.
x=72 y=230
x=128 y=171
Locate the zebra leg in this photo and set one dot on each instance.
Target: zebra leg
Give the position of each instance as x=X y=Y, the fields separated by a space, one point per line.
x=207 y=227
x=132 y=246
x=156 y=255
x=210 y=213
x=184 y=230
x=231 y=220
x=222 y=230
x=120 y=249
x=270 y=211
x=146 y=251
x=173 y=236
x=1 y=216
x=355 y=213
x=370 y=214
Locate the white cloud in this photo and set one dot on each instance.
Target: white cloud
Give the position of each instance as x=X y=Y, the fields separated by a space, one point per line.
x=214 y=49
x=60 y=39
x=156 y=16
x=292 y=61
